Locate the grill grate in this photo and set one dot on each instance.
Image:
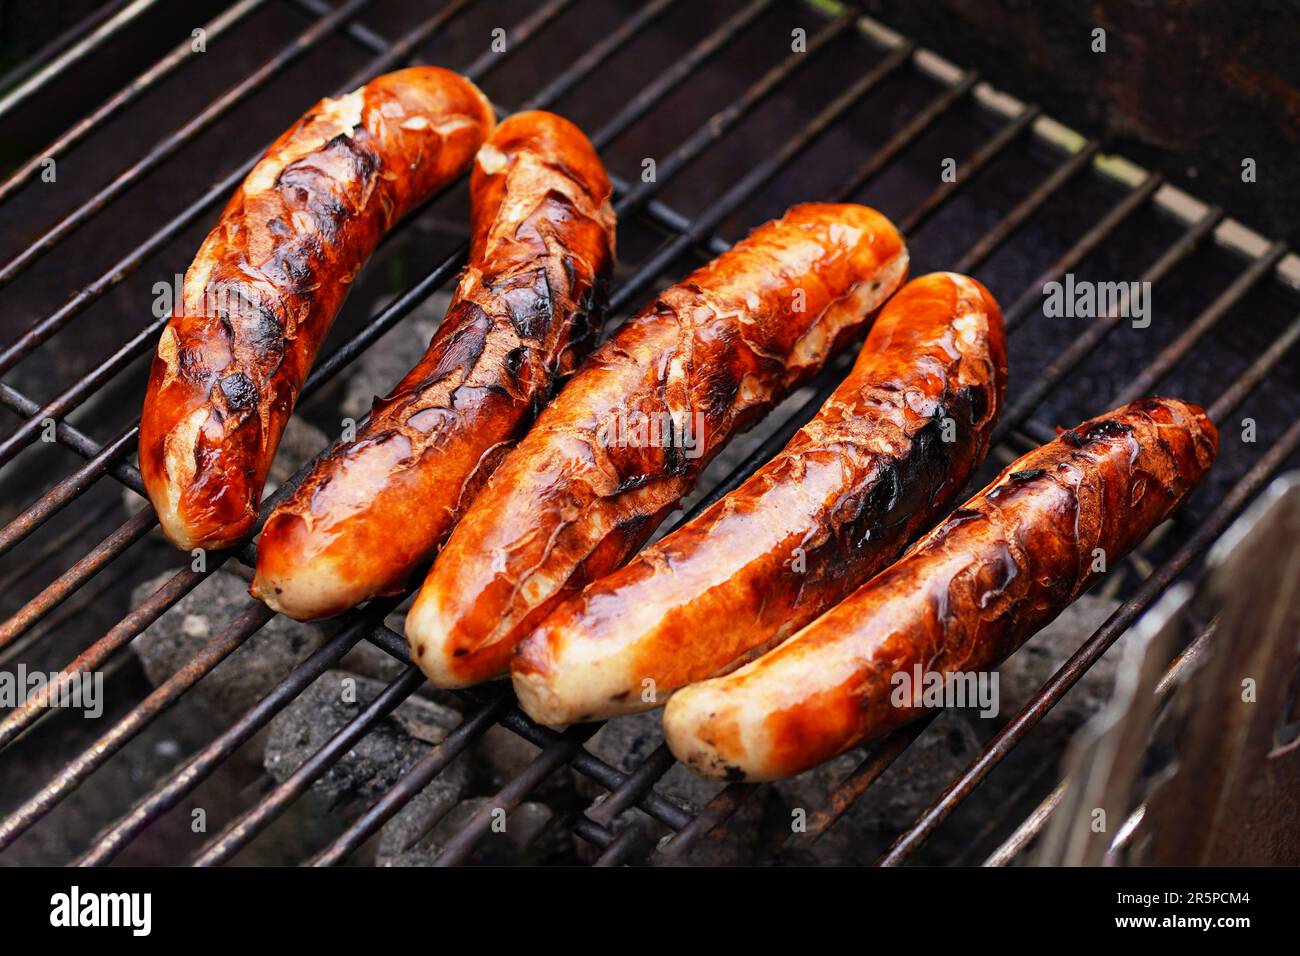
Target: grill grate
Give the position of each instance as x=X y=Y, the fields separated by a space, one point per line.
x=1016 y=129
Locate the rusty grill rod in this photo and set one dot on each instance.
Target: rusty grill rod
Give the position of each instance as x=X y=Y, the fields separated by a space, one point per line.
x=166 y=147
x=184 y=581
x=125 y=96
x=140 y=524
x=600 y=835
x=115 y=21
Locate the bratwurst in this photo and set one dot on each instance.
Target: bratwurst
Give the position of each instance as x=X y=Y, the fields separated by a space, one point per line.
x=963 y=598
x=267 y=282
x=627 y=438
x=884 y=458
x=526 y=311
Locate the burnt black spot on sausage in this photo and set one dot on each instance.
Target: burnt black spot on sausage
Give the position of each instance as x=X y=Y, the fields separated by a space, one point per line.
x=263 y=332
x=291 y=267
x=734 y=774
x=460 y=652
x=1072 y=438
x=978 y=399
x=239 y=391
x=514 y=361
x=462 y=348
x=528 y=303
x=885 y=494
x=1106 y=428
x=419 y=649
x=1028 y=475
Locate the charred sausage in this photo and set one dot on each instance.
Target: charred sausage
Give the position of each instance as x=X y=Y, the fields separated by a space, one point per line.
x=526 y=310
x=267 y=282
x=630 y=433
x=963 y=598
x=882 y=461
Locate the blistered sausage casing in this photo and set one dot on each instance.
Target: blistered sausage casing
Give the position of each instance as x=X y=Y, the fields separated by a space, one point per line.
x=962 y=599
x=267 y=282
x=627 y=438
x=890 y=449
x=525 y=312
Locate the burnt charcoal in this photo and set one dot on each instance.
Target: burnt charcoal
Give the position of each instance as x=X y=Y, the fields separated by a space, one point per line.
x=524 y=836
x=625 y=742
x=379 y=759
x=246 y=675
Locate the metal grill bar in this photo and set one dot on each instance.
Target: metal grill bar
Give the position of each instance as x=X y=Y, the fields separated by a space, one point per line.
x=78 y=51
x=1085 y=246
x=1177 y=350
x=125 y=96
x=636 y=788
x=987 y=152
x=47 y=327
x=749 y=184
x=182 y=583
x=1084 y=344
x=165 y=148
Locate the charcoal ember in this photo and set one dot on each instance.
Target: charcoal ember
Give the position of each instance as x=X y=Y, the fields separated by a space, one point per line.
x=243 y=678
x=889 y=805
x=1031 y=666
x=378 y=760
x=624 y=743
x=526 y=835
x=382 y=365
x=500 y=755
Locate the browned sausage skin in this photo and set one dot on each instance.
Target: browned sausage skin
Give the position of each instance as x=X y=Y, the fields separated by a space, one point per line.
x=883 y=459
x=590 y=482
x=525 y=312
x=962 y=599
x=267 y=282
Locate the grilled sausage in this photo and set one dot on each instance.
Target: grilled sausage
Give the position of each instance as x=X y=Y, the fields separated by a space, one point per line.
x=265 y=286
x=882 y=461
x=527 y=309
x=630 y=433
x=962 y=599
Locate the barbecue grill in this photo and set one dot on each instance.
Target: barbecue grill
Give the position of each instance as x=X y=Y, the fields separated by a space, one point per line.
x=744 y=108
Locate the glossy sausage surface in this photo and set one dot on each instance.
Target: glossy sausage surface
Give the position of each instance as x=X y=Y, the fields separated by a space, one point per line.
x=627 y=438
x=962 y=599
x=526 y=310
x=883 y=459
x=267 y=282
